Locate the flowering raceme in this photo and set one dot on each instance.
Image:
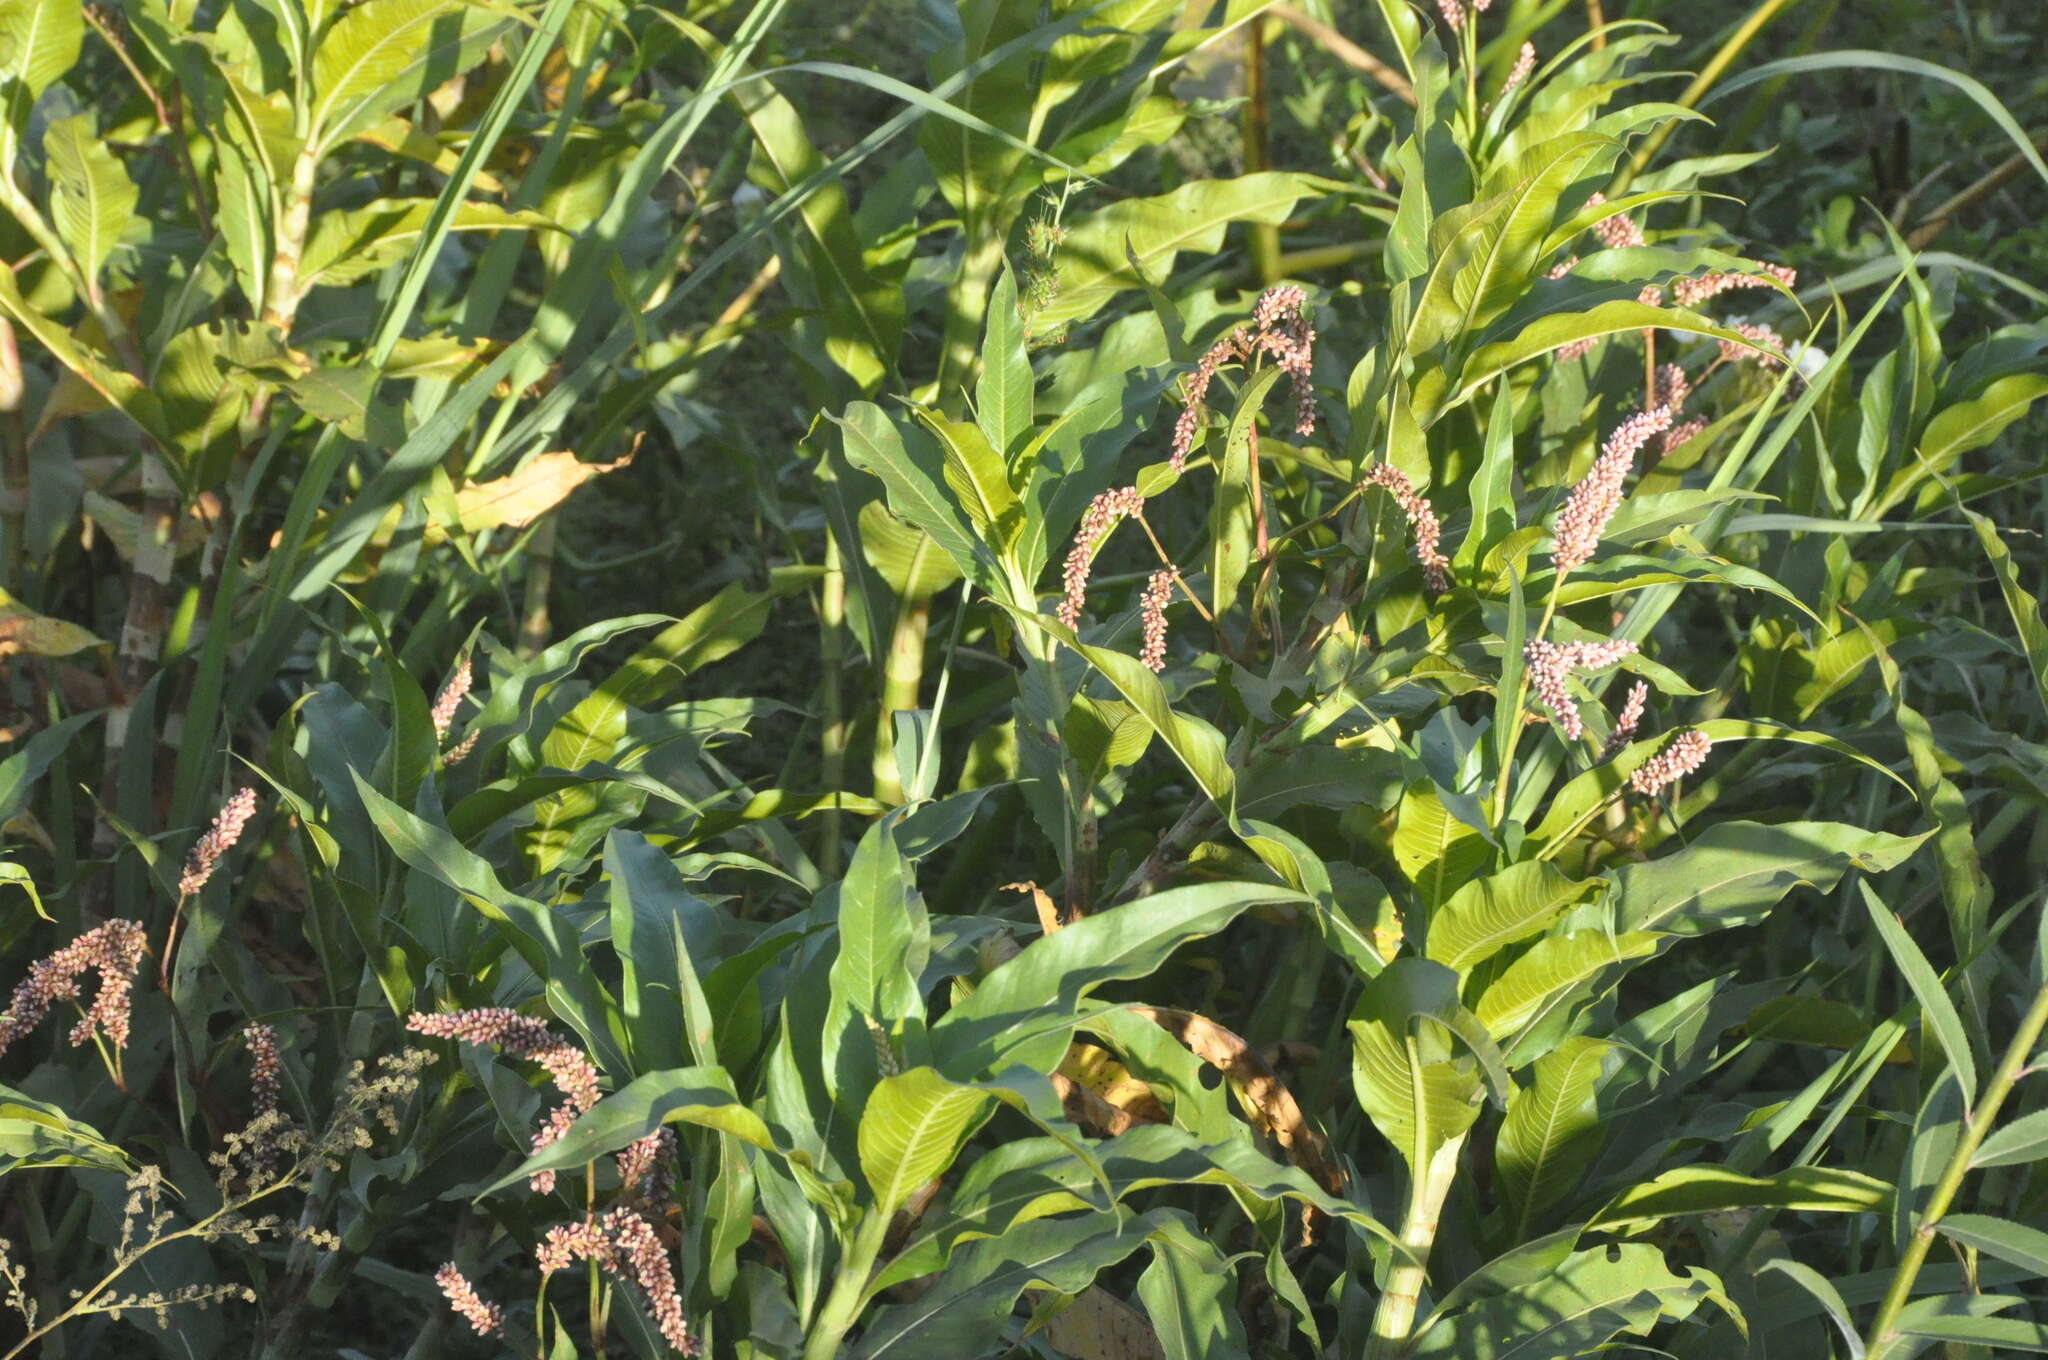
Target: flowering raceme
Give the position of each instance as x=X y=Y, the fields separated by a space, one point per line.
x=219 y=839
x=1550 y=667
x=114 y=950
x=1685 y=754
x=522 y=1036
x=1594 y=500
x=1422 y=524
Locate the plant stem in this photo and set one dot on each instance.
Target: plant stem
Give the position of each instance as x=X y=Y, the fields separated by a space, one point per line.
x=1975 y=1128
x=849 y=1290
x=832 y=730
x=902 y=675
x=1431 y=1184
x=1265 y=236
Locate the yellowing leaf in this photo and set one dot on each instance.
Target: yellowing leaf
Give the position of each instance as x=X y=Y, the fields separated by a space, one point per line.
x=538 y=486
x=24 y=630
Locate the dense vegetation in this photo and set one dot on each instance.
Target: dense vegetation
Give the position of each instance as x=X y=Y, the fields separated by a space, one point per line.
x=1114 y=679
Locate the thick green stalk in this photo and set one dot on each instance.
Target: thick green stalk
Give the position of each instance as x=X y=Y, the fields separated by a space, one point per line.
x=832 y=728
x=1709 y=76
x=966 y=315
x=1394 y=1319
x=1975 y=1129
x=902 y=677
x=1265 y=236
x=849 y=1291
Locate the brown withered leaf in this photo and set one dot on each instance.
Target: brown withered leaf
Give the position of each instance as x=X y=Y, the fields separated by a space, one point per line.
x=1048 y=914
x=538 y=485
x=1272 y=1105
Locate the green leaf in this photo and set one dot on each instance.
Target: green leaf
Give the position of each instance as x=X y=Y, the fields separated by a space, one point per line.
x=1927 y=989
x=39 y=42
x=546 y=940
x=1094 y=264
x=1552 y=1130
x=884 y=936
x=863 y=311
x=1485 y=915
x=1036 y=996
x=1591 y=1297
x=1437 y=392
x=653 y=917
x=595 y=728
x=1230 y=515
x=2015 y=1242
x=1552 y=970
x=1486 y=252
x=913 y=1126
x=1958 y=1319
x=34 y=1134
x=1733 y=873
x=1829 y=1298
x=1864 y=61
x=1201 y=748
x=967 y=1305
x=348 y=244
x=976 y=475
x=701 y=1096
x=1416 y=1092
x=92 y=200
x=874 y=445
x=2024 y=608
x=385 y=53
x=1707 y=1189
x=1003 y=392
x=1436 y=850
x=2022 y=1141
x=1190 y=1296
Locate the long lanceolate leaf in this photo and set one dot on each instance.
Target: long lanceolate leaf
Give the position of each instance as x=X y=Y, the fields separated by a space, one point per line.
x=1864 y=60
x=1021 y=1013
x=548 y=414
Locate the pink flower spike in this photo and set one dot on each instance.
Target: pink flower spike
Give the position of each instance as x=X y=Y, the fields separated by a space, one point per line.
x=485 y=1318
x=449 y=700
x=266 y=1068
x=1684 y=755
x=1631 y=718
x=114 y=950
x=219 y=839
x=1104 y=513
x=1550 y=666
x=1422 y=523
x=1525 y=62
x=1594 y=500
x=1152 y=614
